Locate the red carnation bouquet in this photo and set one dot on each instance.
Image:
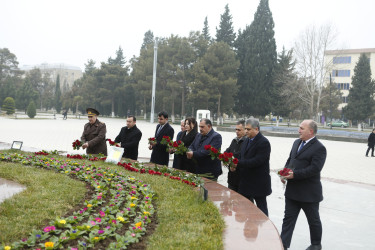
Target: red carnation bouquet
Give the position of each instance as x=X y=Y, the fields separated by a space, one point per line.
x=112 y=143
x=165 y=140
x=77 y=144
x=227 y=159
x=284 y=172
x=152 y=141
x=177 y=147
x=214 y=153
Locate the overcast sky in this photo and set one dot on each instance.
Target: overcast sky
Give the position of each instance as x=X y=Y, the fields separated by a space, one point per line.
x=71 y=32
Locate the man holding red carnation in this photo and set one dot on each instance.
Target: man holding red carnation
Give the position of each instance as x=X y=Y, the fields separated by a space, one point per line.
x=94 y=134
x=254 y=166
x=304 y=189
x=205 y=164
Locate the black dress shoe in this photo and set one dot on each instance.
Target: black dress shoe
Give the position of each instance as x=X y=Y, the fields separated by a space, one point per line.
x=314 y=247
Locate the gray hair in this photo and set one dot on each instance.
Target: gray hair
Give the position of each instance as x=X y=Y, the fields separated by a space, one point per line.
x=253 y=122
x=314 y=126
x=207 y=121
x=241 y=122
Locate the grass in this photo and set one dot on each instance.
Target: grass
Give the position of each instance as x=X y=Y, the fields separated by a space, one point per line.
x=184 y=221
x=47 y=196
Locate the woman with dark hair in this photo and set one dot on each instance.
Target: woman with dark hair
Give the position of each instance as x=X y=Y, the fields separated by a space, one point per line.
x=187 y=137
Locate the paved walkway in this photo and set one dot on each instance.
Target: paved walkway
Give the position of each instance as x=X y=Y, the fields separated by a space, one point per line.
x=348 y=176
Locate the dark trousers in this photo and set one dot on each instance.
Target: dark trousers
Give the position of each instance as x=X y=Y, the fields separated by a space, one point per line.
x=372 y=151
x=292 y=209
x=233 y=187
x=261 y=203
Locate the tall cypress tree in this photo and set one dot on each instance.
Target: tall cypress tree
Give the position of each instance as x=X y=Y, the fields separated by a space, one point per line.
x=258 y=59
x=206 y=30
x=361 y=95
x=226 y=33
x=58 y=95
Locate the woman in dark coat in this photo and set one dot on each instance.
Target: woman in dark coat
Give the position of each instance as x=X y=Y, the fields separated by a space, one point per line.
x=187 y=137
x=371 y=143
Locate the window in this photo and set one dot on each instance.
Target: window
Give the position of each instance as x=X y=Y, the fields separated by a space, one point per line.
x=345 y=99
x=340 y=73
x=343 y=86
x=342 y=59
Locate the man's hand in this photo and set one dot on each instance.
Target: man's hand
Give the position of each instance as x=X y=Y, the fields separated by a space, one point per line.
x=150 y=146
x=282 y=179
x=290 y=176
x=85 y=145
x=189 y=154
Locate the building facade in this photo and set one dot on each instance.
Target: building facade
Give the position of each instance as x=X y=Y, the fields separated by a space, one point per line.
x=342 y=64
x=68 y=74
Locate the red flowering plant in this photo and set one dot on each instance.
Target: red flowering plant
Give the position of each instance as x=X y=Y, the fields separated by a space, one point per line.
x=227 y=159
x=177 y=147
x=165 y=140
x=112 y=143
x=152 y=141
x=214 y=153
x=77 y=144
x=284 y=172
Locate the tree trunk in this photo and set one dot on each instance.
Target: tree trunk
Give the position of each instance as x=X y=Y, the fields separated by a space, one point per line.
x=183 y=99
x=218 y=110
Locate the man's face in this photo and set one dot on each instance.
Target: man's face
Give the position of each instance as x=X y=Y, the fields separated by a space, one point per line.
x=204 y=128
x=250 y=131
x=92 y=119
x=305 y=132
x=162 y=120
x=130 y=122
x=240 y=131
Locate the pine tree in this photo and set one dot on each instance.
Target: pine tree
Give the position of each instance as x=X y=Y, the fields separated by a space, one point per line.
x=147 y=39
x=119 y=60
x=9 y=105
x=58 y=95
x=258 y=58
x=226 y=33
x=361 y=94
x=206 y=30
x=31 y=110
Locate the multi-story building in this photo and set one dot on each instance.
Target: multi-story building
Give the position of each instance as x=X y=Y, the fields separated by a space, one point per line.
x=342 y=64
x=68 y=74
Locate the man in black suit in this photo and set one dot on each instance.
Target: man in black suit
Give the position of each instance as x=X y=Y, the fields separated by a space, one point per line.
x=254 y=166
x=129 y=137
x=159 y=153
x=304 y=189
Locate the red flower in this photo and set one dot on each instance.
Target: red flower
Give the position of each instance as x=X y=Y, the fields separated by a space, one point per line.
x=284 y=172
x=235 y=161
x=175 y=144
x=207 y=147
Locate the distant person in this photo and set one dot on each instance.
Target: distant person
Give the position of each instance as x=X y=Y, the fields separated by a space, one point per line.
x=304 y=189
x=129 y=137
x=187 y=137
x=159 y=153
x=65 y=114
x=371 y=143
x=176 y=159
x=235 y=149
x=254 y=166
x=204 y=163
x=94 y=134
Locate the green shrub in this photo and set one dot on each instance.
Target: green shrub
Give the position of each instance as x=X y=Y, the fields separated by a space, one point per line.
x=31 y=110
x=9 y=105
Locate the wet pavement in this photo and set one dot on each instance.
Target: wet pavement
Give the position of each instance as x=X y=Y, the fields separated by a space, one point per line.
x=348 y=177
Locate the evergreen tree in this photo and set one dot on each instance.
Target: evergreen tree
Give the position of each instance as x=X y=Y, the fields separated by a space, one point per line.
x=58 y=95
x=119 y=60
x=90 y=66
x=361 y=94
x=225 y=32
x=9 y=105
x=258 y=58
x=31 y=110
x=147 y=39
x=206 y=31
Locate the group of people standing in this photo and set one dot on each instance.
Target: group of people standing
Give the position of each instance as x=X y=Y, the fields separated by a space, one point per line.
x=250 y=176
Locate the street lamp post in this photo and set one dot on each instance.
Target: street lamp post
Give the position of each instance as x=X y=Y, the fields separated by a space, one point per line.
x=154 y=80
x=330 y=100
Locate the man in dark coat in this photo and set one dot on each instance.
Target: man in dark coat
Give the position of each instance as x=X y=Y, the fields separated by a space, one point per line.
x=235 y=149
x=371 y=143
x=94 y=133
x=207 y=136
x=304 y=189
x=159 y=153
x=254 y=166
x=129 y=137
